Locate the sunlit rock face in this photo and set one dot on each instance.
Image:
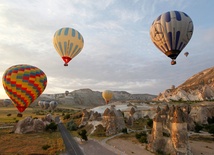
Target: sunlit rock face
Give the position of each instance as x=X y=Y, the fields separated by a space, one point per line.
x=169 y=132
x=113 y=120
x=199 y=87
x=200 y=113
x=30 y=125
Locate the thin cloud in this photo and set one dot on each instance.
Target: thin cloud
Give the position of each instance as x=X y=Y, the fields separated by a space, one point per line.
x=118 y=53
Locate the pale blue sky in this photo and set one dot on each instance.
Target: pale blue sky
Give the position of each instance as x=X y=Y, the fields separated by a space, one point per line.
x=118 y=53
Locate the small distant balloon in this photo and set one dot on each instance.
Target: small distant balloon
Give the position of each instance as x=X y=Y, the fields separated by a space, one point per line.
x=66 y=93
x=107 y=95
x=186 y=54
x=41 y=105
x=171 y=32
x=46 y=104
x=53 y=105
x=7 y=102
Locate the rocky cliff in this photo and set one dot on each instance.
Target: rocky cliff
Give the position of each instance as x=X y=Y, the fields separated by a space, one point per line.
x=90 y=98
x=199 y=87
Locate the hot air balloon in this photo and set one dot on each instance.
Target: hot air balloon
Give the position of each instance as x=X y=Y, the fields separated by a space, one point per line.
x=66 y=93
x=186 y=54
x=7 y=102
x=53 y=105
x=41 y=105
x=23 y=84
x=171 y=32
x=107 y=95
x=68 y=42
x=46 y=104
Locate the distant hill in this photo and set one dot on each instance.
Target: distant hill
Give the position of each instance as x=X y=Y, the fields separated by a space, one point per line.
x=90 y=98
x=199 y=87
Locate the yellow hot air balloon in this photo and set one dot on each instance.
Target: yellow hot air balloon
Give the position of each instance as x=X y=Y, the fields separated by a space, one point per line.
x=107 y=95
x=68 y=42
x=171 y=32
x=23 y=84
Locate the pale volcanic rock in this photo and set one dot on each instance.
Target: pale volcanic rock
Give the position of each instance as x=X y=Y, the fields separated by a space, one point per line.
x=89 y=98
x=30 y=125
x=199 y=87
x=171 y=121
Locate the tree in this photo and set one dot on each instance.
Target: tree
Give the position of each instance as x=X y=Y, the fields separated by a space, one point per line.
x=150 y=123
x=124 y=130
x=72 y=126
x=83 y=134
x=52 y=126
x=211 y=129
x=198 y=127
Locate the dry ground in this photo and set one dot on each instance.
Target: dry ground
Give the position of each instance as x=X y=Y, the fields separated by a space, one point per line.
x=131 y=147
x=23 y=144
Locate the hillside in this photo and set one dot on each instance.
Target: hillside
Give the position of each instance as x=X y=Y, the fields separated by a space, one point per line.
x=90 y=98
x=199 y=87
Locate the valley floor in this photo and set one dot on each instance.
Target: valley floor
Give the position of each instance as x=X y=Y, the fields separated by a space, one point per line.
x=120 y=146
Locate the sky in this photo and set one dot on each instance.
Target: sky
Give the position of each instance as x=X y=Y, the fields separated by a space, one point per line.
x=118 y=53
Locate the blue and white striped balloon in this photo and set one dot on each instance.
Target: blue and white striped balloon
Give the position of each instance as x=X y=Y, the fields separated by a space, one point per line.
x=171 y=32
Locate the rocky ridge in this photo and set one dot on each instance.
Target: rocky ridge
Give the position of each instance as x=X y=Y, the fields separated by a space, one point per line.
x=199 y=87
x=90 y=98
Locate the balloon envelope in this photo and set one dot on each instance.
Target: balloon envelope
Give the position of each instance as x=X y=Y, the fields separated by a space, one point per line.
x=46 y=104
x=23 y=84
x=66 y=93
x=68 y=42
x=107 y=95
x=7 y=102
x=53 y=105
x=186 y=54
x=171 y=32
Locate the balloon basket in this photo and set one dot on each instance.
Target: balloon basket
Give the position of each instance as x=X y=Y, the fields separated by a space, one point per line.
x=173 y=62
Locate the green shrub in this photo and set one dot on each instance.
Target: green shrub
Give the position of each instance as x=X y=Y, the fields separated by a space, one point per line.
x=72 y=126
x=210 y=120
x=211 y=129
x=141 y=137
x=150 y=123
x=83 y=134
x=198 y=127
x=67 y=116
x=124 y=130
x=45 y=147
x=51 y=127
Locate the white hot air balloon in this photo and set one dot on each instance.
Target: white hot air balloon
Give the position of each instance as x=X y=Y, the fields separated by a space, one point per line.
x=53 y=105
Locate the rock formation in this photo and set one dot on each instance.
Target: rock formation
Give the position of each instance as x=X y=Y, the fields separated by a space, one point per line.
x=113 y=120
x=170 y=133
x=201 y=112
x=30 y=125
x=199 y=87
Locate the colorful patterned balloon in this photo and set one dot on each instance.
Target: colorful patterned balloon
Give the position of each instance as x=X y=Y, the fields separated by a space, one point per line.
x=171 y=32
x=68 y=42
x=23 y=84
